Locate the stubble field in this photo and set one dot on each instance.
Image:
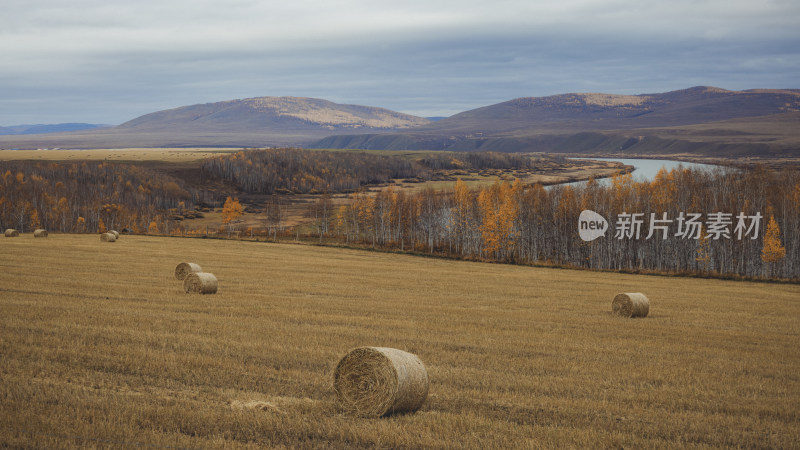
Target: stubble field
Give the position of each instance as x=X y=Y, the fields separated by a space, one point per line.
x=101 y=347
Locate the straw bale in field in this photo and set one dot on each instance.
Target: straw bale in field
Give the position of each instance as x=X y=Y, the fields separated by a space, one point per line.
x=376 y=381
x=12 y=232
x=108 y=237
x=184 y=269
x=40 y=233
x=200 y=283
x=631 y=304
x=115 y=233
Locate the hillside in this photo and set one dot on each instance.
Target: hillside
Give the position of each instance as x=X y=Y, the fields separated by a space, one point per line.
x=593 y=111
x=274 y=114
x=696 y=120
x=700 y=120
x=262 y=121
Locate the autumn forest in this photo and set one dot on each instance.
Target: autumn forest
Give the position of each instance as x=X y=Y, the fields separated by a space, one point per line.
x=726 y=222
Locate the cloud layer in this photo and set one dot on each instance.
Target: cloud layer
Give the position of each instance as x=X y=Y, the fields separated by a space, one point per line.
x=111 y=61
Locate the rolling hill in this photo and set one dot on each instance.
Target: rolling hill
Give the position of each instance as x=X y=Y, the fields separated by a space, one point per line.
x=261 y=121
x=700 y=120
x=707 y=120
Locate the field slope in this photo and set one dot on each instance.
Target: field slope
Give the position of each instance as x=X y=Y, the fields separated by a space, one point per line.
x=101 y=348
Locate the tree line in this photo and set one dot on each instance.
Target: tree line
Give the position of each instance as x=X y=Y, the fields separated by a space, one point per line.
x=744 y=222
x=87 y=196
x=285 y=170
x=686 y=221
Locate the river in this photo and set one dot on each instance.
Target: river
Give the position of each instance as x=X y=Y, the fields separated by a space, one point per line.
x=646 y=169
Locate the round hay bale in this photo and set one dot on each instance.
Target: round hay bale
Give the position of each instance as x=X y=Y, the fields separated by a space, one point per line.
x=12 y=232
x=107 y=237
x=200 y=283
x=40 y=233
x=184 y=269
x=376 y=381
x=631 y=304
x=115 y=233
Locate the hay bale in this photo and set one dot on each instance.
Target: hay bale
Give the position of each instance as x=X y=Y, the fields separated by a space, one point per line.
x=631 y=304
x=107 y=237
x=12 y=232
x=40 y=233
x=184 y=269
x=115 y=233
x=376 y=381
x=200 y=283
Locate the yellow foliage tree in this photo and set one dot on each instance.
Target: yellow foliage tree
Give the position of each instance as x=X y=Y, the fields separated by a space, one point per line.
x=231 y=210
x=80 y=225
x=773 y=250
x=663 y=189
x=499 y=210
x=153 y=228
x=34 y=219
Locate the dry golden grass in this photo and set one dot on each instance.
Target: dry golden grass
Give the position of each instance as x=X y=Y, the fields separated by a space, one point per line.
x=516 y=356
x=613 y=100
x=126 y=154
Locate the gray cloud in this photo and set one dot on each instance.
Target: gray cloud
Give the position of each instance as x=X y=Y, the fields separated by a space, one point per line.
x=109 y=61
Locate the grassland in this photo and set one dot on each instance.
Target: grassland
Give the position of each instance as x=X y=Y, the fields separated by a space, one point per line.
x=101 y=348
x=167 y=155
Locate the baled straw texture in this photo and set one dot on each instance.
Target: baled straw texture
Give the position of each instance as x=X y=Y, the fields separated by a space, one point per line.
x=12 y=232
x=631 y=304
x=108 y=237
x=200 y=283
x=376 y=381
x=40 y=233
x=184 y=269
x=115 y=233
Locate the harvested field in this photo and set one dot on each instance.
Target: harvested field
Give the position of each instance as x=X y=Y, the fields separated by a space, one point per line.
x=516 y=356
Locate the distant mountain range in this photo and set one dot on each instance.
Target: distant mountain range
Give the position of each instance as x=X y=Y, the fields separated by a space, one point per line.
x=703 y=120
x=45 y=129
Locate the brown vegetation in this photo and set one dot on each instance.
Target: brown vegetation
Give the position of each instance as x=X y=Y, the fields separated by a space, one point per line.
x=503 y=222
x=516 y=356
x=86 y=196
x=514 y=223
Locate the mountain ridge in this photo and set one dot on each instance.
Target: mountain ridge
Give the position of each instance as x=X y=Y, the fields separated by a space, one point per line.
x=700 y=119
x=292 y=112
x=606 y=123
x=48 y=128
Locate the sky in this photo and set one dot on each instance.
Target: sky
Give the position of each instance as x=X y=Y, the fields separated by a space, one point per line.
x=110 y=61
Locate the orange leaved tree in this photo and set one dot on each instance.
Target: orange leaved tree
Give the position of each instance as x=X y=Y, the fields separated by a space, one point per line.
x=231 y=211
x=773 y=250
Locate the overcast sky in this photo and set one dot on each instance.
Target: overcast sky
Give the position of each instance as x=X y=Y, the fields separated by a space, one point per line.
x=109 y=61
